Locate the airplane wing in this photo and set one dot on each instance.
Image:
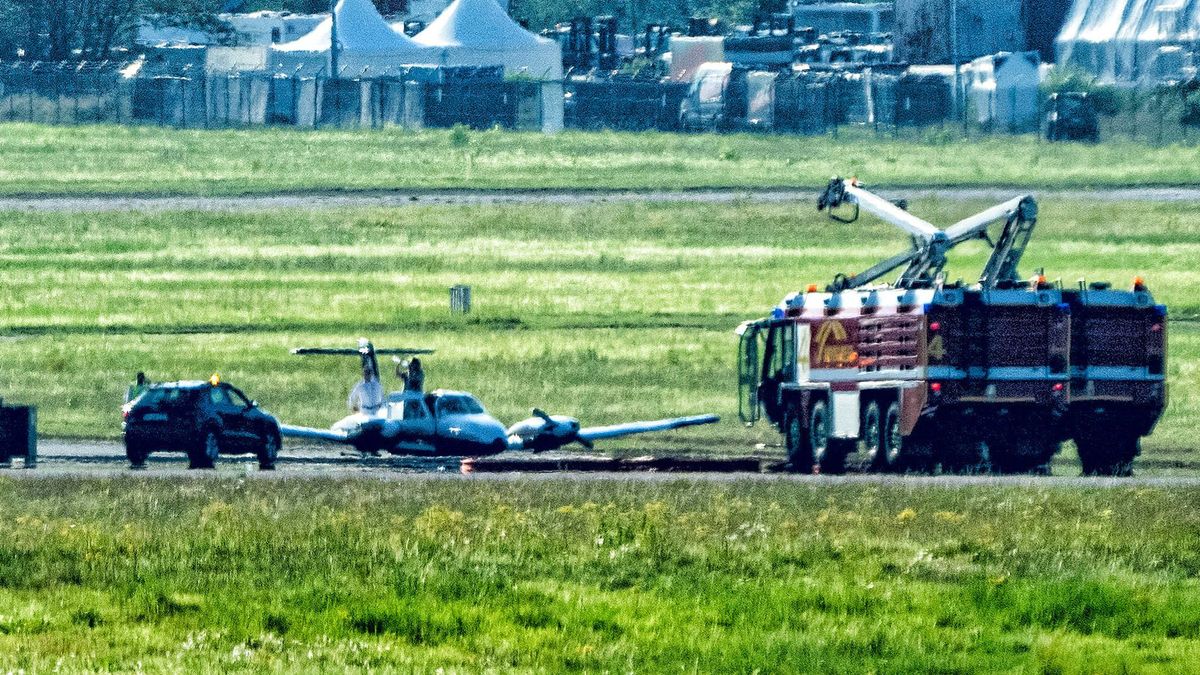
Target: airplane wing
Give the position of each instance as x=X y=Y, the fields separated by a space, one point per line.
x=330 y=435
x=630 y=428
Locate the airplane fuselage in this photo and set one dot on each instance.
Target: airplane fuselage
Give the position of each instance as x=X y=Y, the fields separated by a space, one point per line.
x=406 y=425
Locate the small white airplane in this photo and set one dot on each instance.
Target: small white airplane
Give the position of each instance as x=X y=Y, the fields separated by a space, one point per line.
x=455 y=423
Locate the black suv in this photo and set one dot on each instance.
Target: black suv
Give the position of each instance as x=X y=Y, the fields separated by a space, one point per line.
x=204 y=419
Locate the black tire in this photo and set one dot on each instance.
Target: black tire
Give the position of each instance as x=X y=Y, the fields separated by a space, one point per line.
x=826 y=454
x=871 y=433
x=1108 y=456
x=268 y=451
x=893 y=454
x=204 y=454
x=796 y=440
x=137 y=454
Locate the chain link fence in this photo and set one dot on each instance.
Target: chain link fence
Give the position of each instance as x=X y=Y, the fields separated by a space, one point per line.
x=887 y=103
x=101 y=93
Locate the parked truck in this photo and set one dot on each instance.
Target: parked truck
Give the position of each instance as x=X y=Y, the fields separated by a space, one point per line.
x=920 y=374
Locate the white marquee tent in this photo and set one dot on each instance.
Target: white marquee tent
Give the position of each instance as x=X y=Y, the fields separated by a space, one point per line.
x=367 y=45
x=480 y=33
x=1126 y=40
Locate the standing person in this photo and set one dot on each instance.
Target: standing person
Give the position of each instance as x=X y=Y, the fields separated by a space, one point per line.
x=139 y=387
x=413 y=376
x=367 y=395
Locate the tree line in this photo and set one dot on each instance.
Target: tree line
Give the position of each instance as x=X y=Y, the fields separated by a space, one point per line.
x=61 y=30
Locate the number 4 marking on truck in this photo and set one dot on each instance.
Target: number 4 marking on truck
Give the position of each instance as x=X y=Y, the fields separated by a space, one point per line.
x=936 y=349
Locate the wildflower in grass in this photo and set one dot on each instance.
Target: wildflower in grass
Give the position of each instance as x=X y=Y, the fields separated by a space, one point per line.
x=438 y=521
x=949 y=517
x=906 y=516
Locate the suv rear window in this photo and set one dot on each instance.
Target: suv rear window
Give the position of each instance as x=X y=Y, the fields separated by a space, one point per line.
x=165 y=396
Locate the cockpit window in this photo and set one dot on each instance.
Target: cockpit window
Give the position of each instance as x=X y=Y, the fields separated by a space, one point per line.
x=459 y=405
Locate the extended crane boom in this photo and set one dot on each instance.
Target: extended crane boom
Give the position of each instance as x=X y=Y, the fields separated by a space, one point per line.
x=927 y=257
x=1010 y=245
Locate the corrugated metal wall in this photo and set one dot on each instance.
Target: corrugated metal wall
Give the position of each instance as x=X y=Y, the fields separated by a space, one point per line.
x=1121 y=39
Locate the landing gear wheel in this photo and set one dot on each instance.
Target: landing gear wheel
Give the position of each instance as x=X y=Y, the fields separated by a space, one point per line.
x=268 y=452
x=204 y=455
x=826 y=455
x=137 y=454
x=1108 y=457
x=872 y=438
x=796 y=437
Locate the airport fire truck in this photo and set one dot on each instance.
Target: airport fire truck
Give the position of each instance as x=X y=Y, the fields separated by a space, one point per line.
x=920 y=374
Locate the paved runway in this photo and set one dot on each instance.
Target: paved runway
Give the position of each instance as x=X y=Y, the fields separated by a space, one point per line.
x=400 y=198
x=106 y=459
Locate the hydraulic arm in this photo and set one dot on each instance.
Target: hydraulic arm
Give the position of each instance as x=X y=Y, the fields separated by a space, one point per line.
x=924 y=261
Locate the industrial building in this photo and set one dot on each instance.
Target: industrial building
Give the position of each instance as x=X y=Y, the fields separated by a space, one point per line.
x=924 y=33
x=832 y=17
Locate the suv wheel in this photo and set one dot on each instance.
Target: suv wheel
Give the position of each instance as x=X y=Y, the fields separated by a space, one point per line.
x=137 y=454
x=268 y=451
x=204 y=455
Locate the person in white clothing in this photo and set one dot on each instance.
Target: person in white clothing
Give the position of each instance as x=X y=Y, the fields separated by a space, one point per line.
x=367 y=395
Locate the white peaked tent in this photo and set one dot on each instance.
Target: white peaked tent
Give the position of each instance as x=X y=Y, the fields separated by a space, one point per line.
x=366 y=44
x=480 y=33
x=1125 y=39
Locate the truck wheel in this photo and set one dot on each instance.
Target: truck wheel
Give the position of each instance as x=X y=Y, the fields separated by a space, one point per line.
x=872 y=438
x=268 y=452
x=796 y=439
x=1108 y=457
x=824 y=455
x=204 y=454
x=893 y=456
x=137 y=454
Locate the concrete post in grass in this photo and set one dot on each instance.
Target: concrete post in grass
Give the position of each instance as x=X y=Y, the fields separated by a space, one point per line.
x=460 y=299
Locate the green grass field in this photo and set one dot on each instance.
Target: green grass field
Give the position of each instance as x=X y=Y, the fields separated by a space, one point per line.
x=557 y=575
x=38 y=159
x=609 y=312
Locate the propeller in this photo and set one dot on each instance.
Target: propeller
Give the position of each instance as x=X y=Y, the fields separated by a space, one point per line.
x=551 y=425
